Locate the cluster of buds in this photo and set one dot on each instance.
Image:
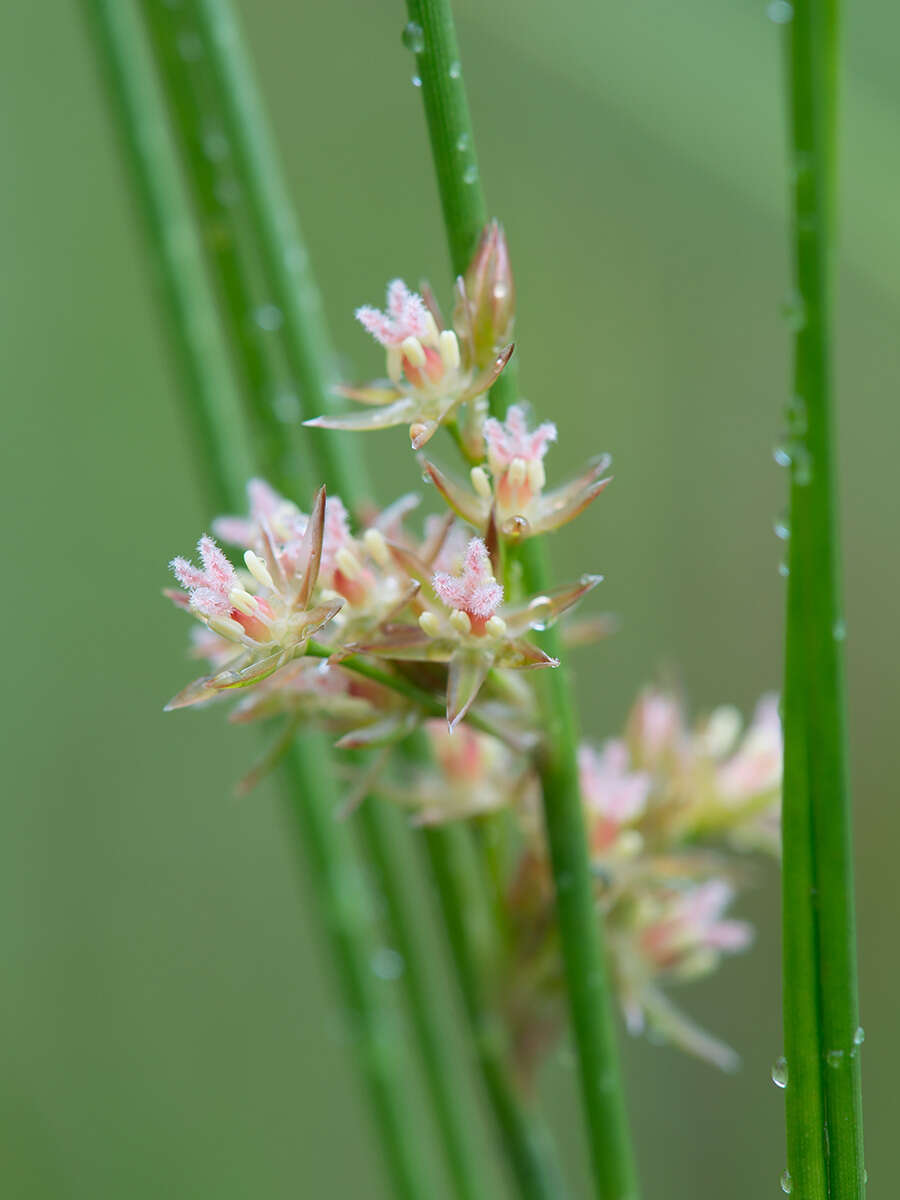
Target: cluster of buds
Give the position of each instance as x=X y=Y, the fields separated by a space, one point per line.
x=367 y=631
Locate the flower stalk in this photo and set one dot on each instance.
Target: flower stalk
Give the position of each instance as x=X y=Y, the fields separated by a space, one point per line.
x=821 y=1021
x=431 y=35
x=304 y=338
x=217 y=422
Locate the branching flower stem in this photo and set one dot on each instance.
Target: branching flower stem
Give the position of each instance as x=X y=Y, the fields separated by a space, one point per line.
x=217 y=422
x=432 y=35
x=823 y=1097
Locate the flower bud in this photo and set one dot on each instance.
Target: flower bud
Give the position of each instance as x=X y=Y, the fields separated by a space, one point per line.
x=488 y=296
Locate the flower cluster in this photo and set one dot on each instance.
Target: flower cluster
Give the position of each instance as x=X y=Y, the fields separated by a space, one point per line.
x=362 y=628
x=665 y=807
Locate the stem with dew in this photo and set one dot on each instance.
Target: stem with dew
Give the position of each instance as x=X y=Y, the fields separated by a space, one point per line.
x=823 y=1097
x=431 y=34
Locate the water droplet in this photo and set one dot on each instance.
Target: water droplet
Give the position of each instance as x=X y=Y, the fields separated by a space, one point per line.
x=780 y=1072
x=839 y=633
x=780 y=12
x=413 y=37
x=228 y=192
x=859 y=1036
x=834 y=1058
x=416 y=81
x=470 y=174
x=387 y=964
x=516 y=527
x=268 y=317
x=455 y=70
x=795 y=414
x=782 y=528
x=782 y=456
x=215 y=145
x=784 y=570
x=803 y=465
x=794 y=311
x=786 y=1183
x=462 y=143
x=189 y=46
x=287 y=407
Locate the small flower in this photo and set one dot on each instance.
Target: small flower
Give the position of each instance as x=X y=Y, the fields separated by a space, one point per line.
x=476 y=634
x=475 y=775
x=614 y=796
x=267 y=612
x=685 y=933
x=427 y=377
x=511 y=486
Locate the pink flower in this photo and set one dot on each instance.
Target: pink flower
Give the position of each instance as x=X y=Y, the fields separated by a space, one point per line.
x=690 y=932
x=755 y=767
x=209 y=588
x=510 y=439
x=406 y=316
x=475 y=592
x=612 y=792
x=429 y=378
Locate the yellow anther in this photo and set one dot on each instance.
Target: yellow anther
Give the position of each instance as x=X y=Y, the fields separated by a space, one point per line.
x=516 y=472
x=448 y=348
x=480 y=482
x=460 y=621
x=496 y=627
x=377 y=547
x=242 y=601
x=414 y=351
x=227 y=628
x=537 y=476
x=429 y=624
x=258 y=569
x=347 y=563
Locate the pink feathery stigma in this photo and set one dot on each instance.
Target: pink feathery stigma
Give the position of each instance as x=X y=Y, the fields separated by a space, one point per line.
x=210 y=587
x=475 y=591
x=406 y=316
x=264 y=501
x=510 y=439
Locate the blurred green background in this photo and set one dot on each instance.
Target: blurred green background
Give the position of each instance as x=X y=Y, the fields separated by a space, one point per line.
x=167 y=1016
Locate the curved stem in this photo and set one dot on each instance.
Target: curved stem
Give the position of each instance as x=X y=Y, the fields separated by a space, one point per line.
x=823 y=1098
x=589 y=991
x=428 y=702
x=338 y=886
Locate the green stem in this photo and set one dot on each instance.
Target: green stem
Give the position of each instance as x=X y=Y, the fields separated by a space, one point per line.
x=428 y=702
x=305 y=341
x=313 y=799
x=178 y=261
x=589 y=990
x=280 y=243
x=528 y=1147
x=205 y=151
x=823 y=1098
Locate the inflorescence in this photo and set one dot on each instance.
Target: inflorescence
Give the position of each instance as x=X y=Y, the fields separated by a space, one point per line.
x=355 y=624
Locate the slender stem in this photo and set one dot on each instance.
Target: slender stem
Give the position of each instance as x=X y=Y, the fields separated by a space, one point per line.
x=590 y=994
x=428 y=702
x=280 y=243
x=527 y=1144
x=304 y=338
x=205 y=151
x=313 y=799
x=178 y=261
x=820 y=979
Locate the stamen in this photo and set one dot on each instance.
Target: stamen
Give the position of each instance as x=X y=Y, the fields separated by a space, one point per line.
x=258 y=569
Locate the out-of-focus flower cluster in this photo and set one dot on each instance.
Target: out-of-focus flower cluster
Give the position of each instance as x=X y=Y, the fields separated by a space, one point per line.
x=669 y=809
x=358 y=626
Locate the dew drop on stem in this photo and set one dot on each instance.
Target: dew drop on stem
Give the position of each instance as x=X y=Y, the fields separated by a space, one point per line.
x=780 y=12
x=413 y=37
x=786 y=1183
x=780 y=1072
